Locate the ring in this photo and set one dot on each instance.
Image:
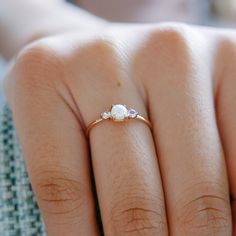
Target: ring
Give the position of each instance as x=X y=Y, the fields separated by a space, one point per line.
x=118 y=113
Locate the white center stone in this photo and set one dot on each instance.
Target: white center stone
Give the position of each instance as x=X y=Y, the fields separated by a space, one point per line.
x=119 y=112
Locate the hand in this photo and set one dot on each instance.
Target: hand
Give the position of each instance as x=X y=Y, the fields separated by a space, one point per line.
x=171 y=180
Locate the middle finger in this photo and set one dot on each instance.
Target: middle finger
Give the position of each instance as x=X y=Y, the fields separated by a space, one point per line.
x=190 y=151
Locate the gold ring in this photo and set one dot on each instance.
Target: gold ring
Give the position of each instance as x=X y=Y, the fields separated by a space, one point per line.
x=118 y=113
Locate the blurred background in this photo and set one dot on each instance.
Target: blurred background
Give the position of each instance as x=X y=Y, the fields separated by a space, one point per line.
x=204 y=12
x=217 y=13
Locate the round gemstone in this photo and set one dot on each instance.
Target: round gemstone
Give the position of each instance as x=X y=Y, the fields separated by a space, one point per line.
x=119 y=112
x=132 y=113
x=106 y=115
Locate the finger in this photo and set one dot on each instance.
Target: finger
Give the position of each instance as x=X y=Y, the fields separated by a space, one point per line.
x=53 y=143
x=123 y=154
x=186 y=135
x=226 y=112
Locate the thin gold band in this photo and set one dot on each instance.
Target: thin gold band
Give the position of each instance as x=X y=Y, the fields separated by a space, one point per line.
x=138 y=117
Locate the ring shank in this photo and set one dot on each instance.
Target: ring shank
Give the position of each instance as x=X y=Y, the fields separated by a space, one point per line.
x=147 y=122
x=138 y=117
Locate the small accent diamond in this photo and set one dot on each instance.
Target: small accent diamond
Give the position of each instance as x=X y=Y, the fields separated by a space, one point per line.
x=106 y=115
x=132 y=113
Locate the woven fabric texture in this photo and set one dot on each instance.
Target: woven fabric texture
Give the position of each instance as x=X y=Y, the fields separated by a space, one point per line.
x=19 y=213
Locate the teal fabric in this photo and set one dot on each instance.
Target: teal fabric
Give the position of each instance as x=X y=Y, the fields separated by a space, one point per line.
x=19 y=213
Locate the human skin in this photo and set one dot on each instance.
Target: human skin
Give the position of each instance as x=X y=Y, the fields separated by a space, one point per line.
x=175 y=179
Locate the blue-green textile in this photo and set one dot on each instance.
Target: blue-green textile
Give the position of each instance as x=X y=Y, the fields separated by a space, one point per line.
x=19 y=213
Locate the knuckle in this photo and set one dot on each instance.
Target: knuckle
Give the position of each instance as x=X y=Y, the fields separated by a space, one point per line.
x=172 y=32
x=97 y=52
x=170 y=38
x=168 y=50
x=37 y=55
x=205 y=214
x=101 y=57
x=37 y=65
x=59 y=192
x=133 y=215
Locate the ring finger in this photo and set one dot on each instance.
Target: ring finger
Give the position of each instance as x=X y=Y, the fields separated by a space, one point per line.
x=124 y=160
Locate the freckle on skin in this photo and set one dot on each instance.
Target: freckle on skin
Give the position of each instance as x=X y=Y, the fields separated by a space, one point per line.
x=118 y=84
